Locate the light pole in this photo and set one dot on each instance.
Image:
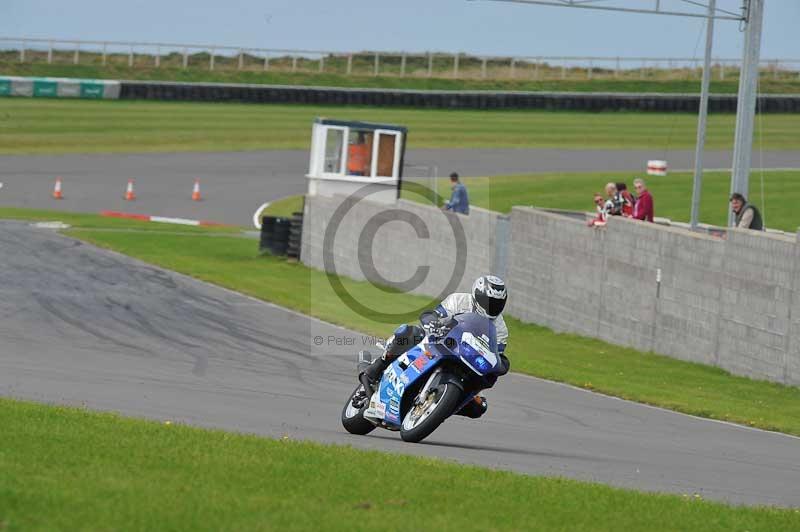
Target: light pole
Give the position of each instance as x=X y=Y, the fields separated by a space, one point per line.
x=697 y=187
x=746 y=101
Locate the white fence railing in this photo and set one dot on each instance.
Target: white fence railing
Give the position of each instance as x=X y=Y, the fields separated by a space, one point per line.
x=374 y=63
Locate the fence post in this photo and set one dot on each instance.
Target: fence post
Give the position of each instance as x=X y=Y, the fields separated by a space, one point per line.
x=349 y=64
x=294 y=63
x=185 y=58
x=536 y=68
x=377 y=64
x=130 y=57
x=430 y=64
x=105 y=53
x=483 y=68
x=513 y=69
x=22 y=53
x=211 y=60
x=403 y=65
x=77 y=57
x=591 y=68
x=158 y=56
x=49 y=52
x=322 y=63
x=266 y=62
x=241 y=58
x=616 y=68
x=455 y=66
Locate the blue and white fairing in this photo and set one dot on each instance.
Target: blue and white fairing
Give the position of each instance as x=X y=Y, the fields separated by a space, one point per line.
x=472 y=341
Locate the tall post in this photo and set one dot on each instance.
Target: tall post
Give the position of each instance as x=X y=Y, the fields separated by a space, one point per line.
x=22 y=53
x=49 y=52
x=349 y=64
x=703 y=114
x=430 y=64
x=377 y=65
x=403 y=65
x=455 y=66
x=105 y=53
x=746 y=102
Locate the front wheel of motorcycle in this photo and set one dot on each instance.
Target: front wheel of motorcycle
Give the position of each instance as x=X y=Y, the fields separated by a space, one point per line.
x=353 y=413
x=427 y=413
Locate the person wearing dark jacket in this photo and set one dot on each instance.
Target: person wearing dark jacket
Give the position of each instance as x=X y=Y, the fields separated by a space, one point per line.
x=746 y=215
x=643 y=210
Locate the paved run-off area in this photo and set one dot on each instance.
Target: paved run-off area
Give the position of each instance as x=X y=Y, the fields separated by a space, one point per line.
x=79 y=325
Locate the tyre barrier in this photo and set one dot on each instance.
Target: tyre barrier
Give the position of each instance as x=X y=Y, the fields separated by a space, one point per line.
x=556 y=101
x=274 y=235
x=295 y=235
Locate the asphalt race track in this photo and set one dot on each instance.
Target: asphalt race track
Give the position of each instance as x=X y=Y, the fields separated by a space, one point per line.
x=84 y=326
x=235 y=184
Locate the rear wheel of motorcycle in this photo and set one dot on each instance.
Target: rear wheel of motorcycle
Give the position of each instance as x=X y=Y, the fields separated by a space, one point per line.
x=353 y=418
x=421 y=420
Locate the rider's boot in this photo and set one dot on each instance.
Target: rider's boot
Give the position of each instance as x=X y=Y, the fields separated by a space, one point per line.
x=374 y=371
x=403 y=339
x=475 y=408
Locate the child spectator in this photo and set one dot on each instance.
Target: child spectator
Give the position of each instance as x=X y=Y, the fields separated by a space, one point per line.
x=602 y=214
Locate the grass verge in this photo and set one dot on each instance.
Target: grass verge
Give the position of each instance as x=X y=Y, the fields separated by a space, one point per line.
x=58 y=126
x=584 y=362
x=442 y=82
x=573 y=191
x=69 y=469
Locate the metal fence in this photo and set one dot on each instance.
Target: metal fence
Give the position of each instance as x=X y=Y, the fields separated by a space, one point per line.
x=374 y=63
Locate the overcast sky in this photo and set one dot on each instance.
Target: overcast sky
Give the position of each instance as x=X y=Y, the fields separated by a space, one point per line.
x=412 y=25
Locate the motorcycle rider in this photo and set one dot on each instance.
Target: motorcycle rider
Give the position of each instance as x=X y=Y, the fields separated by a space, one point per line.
x=488 y=298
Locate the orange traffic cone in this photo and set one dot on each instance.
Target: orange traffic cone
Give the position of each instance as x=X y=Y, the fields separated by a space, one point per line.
x=196 y=191
x=130 y=195
x=57 y=194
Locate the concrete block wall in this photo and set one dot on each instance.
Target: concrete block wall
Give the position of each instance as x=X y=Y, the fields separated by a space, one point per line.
x=397 y=250
x=732 y=303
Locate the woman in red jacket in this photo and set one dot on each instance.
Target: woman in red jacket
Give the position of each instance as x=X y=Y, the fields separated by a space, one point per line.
x=643 y=210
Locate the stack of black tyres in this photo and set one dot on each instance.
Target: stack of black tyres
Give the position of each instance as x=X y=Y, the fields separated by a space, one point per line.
x=295 y=235
x=275 y=235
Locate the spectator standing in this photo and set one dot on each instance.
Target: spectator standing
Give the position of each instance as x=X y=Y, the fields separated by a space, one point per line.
x=628 y=200
x=600 y=206
x=747 y=216
x=643 y=210
x=459 y=201
x=614 y=201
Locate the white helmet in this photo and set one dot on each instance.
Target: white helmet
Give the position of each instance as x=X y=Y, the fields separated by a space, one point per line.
x=489 y=294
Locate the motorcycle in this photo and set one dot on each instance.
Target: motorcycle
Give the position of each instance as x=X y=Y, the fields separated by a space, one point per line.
x=428 y=383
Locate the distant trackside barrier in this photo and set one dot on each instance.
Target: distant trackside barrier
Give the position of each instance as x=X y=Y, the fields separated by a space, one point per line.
x=93 y=89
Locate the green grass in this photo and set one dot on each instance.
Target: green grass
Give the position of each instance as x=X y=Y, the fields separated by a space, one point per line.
x=442 y=82
x=672 y=194
x=90 y=221
x=58 y=126
x=284 y=206
x=69 y=469
x=588 y=363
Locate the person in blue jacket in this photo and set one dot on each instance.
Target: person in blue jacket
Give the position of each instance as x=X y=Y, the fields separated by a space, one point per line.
x=459 y=201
